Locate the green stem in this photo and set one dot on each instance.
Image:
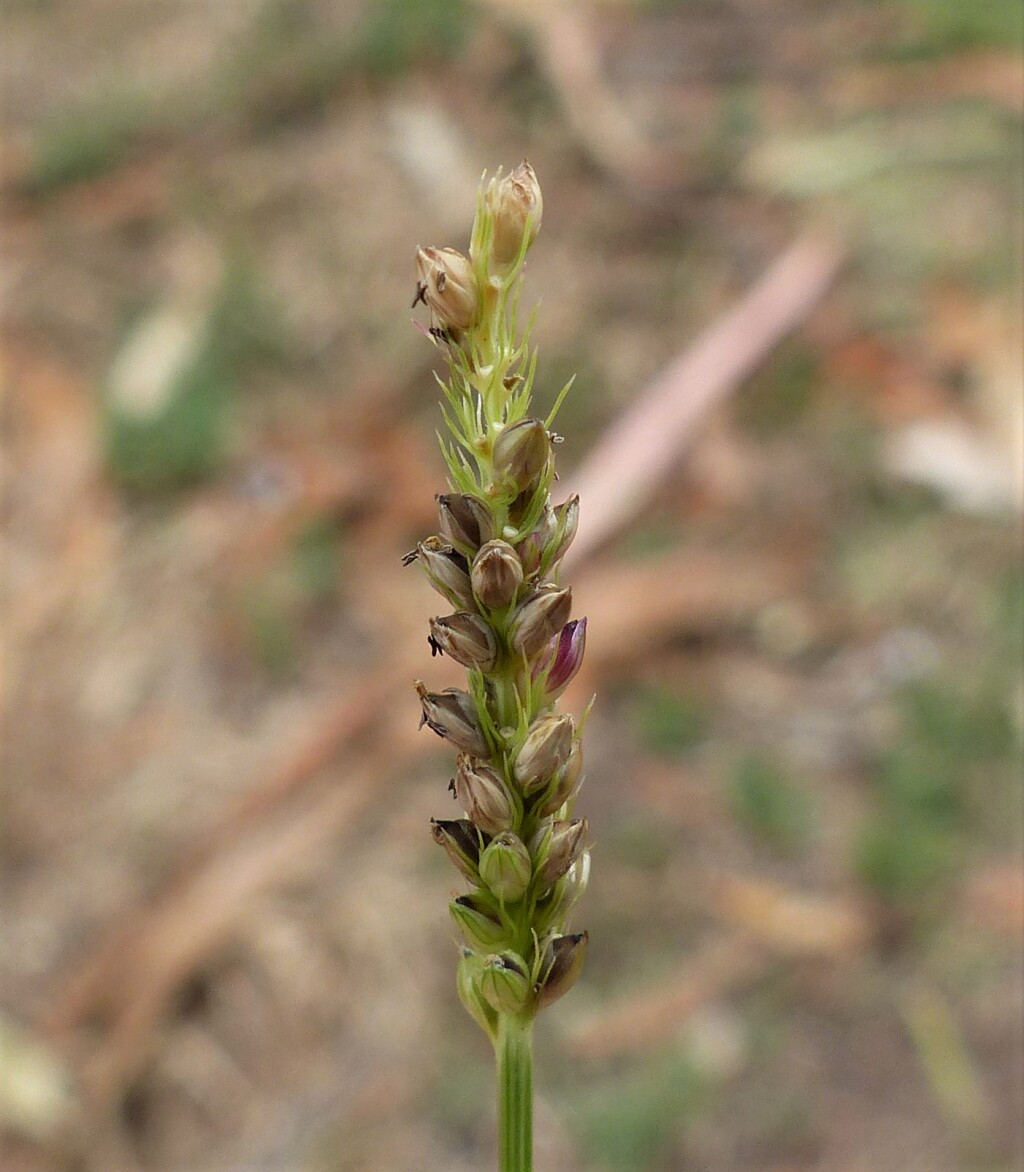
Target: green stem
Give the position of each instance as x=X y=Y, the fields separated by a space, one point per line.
x=513 y=1048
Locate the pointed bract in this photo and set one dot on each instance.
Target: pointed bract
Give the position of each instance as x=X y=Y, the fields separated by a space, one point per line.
x=517 y=206
x=567 y=520
x=566 y=658
x=539 y=619
x=496 y=575
x=563 y=960
x=566 y=784
x=574 y=883
x=447 y=571
x=467 y=980
x=447 y=284
x=521 y=454
x=506 y=867
x=481 y=927
x=482 y=793
x=464 y=522
x=467 y=638
x=452 y=714
x=504 y=983
x=544 y=752
x=462 y=842
x=557 y=851
x=531 y=548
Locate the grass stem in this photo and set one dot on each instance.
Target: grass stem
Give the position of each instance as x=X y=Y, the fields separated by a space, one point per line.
x=514 y=1051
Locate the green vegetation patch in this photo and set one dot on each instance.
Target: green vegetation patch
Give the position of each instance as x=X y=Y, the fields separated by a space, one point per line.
x=926 y=805
x=634 y=1118
x=937 y=27
x=670 y=723
x=770 y=805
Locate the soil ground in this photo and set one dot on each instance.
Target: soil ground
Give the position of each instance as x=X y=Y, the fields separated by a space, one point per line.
x=225 y=936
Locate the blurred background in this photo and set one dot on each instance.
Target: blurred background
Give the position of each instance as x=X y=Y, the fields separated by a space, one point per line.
x=225 y=935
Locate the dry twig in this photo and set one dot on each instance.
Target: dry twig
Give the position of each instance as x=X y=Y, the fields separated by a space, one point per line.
x=639 y=449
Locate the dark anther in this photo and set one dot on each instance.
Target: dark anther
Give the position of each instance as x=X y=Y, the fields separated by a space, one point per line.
x=421 y=290
x=435 y=647
x=410 y=557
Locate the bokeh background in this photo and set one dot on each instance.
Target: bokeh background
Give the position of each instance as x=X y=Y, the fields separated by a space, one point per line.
x=225 y=936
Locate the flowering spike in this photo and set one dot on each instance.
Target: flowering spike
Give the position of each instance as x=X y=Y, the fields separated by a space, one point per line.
x=498 y=549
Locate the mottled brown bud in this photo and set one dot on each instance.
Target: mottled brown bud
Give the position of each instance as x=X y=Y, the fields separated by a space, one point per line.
x=482 y=793
x=516 y=204
x=567 y=517
x=452 y=714
x=506 y=867
x=521 y=454
x=563 y=962
x=447 y=571
x=447 y=284
x=462 y=842
x=496 y=575
x=555 y=848
x=567 y=783
x=544 y=752
x=539 y=619
x=575 y=882
x=466 y=638
x=465 y=522
x=531 y=548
